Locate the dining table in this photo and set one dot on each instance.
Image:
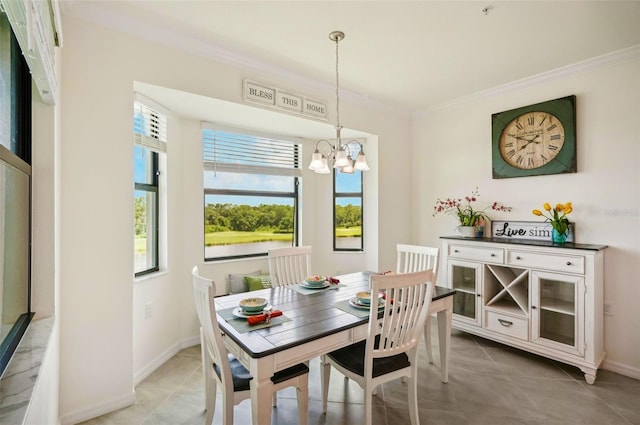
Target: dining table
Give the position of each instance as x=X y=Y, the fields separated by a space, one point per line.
x=314 y=321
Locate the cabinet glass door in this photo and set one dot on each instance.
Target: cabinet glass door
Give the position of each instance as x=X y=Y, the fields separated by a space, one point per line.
x=464 y=278
x=556 y=310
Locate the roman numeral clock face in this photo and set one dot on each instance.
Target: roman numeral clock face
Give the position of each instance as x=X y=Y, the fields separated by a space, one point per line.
x=531 y=140
x=534 y=140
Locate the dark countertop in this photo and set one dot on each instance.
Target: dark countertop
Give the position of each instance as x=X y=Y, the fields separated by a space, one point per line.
x=530 y=242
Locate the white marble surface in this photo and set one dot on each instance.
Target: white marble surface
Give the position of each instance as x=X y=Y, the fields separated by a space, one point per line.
x=19 y=379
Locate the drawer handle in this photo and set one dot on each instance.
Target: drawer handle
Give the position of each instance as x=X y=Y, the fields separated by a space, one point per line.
x=518 y=258
x=568 y=263
x=455 y=250
x=505 y=323
x=493 y=255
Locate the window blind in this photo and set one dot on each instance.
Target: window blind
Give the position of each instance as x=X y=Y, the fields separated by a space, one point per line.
x=229 y=150
x=149 y=128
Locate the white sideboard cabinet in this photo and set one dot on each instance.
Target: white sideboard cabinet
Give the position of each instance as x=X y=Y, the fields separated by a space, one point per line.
x=534 y=295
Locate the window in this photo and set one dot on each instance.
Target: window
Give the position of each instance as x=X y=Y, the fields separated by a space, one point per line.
x=15 y=193
x=149 y=128
x=251 y=184
x=347 y=209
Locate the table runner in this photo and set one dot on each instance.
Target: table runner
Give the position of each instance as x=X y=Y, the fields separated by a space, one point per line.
x=242 y=326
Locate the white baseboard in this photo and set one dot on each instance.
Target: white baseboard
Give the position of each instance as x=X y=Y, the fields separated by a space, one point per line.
x=186 y=343
x=128 y=399
x=622 y=369
x=98 y=410
x=147 y=370
x=150 y=367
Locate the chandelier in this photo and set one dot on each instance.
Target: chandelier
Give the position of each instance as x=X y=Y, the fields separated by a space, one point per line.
x=339 y=155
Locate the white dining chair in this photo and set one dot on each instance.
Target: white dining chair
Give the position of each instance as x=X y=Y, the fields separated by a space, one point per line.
x=414 y=258
x=222 y=368
x=390 y=350
x=288 y=266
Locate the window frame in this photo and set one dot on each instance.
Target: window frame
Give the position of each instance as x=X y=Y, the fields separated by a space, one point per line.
x=152 y=187
x=336 y=196
x=237 y=192
x=268 y=167
x=150 y=131
x=20 y=98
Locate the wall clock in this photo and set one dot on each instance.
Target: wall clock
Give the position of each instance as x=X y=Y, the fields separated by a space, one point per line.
x=535 y=140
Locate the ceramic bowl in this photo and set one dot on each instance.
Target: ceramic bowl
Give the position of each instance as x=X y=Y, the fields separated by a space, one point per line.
x=364 y=297
x=252 y=305
x=315 y=280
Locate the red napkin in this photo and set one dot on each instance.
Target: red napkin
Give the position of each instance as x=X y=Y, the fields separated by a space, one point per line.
x=333 y=280
x=259 y=318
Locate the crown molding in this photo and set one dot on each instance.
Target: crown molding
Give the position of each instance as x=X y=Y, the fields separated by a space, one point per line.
x=588 y=65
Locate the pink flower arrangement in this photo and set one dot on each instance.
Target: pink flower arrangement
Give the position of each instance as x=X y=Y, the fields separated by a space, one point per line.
x=464 y=211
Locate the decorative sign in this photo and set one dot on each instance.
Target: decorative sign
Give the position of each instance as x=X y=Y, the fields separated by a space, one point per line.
x=285 y=101
x=289 y=102
x=260 y=94
x=536 y=230
x=316 y=109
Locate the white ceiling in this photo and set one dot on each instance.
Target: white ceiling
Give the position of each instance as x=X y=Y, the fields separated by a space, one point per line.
x=404 y=55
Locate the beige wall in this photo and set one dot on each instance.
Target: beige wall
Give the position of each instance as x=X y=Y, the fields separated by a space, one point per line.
x=605 y=191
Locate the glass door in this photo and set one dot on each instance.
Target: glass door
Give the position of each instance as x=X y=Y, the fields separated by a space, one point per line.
x=465 y=279
x=557 y=307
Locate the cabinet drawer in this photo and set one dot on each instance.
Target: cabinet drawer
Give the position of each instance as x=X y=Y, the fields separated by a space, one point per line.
x=561 y=263
x=490 y=255
x=505 y=324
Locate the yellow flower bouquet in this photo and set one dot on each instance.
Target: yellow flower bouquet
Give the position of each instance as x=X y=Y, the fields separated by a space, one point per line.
x=556 y=216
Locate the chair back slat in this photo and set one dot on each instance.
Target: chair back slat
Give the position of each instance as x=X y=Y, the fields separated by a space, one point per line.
x=288 y=266
x=203 y=293
x=414 y=258
x=406 y=303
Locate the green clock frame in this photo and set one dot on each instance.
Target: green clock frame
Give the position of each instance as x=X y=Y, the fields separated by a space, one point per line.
x=564 y=109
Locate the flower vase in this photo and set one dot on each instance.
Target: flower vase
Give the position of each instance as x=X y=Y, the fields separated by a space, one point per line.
x=467 y=231
x=557 y=237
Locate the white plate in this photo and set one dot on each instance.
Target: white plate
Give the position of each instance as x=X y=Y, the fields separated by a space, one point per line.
x=324 y=284
x=354 y=303
x=239 y=313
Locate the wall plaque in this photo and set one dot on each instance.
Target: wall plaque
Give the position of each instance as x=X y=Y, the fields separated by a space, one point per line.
x=258 y=93
x=536 y=230
x=314 y=108
x=283 y=100
x=290 y=102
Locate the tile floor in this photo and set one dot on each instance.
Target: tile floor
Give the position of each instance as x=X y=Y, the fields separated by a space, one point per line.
x=489 y=384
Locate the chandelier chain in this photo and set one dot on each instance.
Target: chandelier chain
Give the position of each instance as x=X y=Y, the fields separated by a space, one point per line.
x=337 y=85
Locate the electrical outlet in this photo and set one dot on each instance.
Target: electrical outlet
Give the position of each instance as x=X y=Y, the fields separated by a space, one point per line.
x=148 y=310
x=608 y=310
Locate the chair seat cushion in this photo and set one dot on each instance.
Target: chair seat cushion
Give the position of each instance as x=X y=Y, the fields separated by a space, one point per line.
x=352 y=359
x=242 y=377
x=239 y=373
x=292 y=372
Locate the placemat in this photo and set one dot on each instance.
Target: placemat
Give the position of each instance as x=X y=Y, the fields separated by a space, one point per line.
x=345 y=306
x=242 y=326
x=306 y=291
